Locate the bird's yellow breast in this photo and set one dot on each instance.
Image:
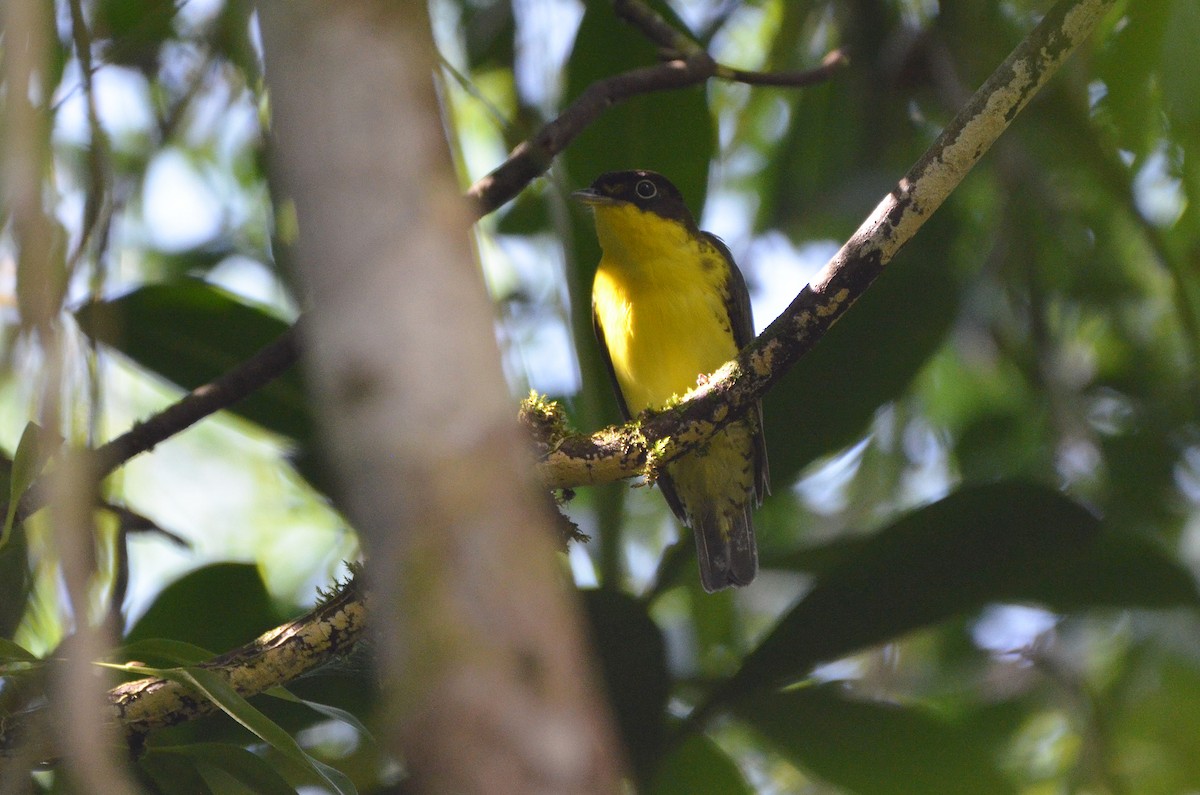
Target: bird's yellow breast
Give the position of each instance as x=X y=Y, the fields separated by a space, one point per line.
x=659 y=296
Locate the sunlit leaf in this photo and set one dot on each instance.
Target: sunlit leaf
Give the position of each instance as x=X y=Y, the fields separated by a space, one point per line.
x=33 y=451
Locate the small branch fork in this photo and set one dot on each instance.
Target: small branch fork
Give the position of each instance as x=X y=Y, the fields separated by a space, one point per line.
x=618 y=452
x=688 y=65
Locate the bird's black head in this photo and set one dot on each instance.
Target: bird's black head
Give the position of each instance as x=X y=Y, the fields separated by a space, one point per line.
x=647 y=190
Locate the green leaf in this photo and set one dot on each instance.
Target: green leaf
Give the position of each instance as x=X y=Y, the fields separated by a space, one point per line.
x=634 y=665
x=1152 y=721
x=33 y=451
x=219 y=607
x=489 y=32
x=15 y=581
x=217 y=689
x=1129 y=64
x=190 y=332
x=528 y=214
x=172 y=773
x=698 y=766
x=245 y=767
x=163 y=651
x=329 y=711
x=631 y=134
x=138 y=29
x=1180 y=49
x=1004 y=542
x=15 y=653
x=875 y=748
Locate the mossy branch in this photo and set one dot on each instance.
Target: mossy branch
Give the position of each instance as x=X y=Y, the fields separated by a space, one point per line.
x=623 y=451
x=326 y=633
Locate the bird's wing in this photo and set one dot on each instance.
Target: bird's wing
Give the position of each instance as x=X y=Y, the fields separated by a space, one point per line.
x=664 y=482
x=737 y=304
x=606 y=357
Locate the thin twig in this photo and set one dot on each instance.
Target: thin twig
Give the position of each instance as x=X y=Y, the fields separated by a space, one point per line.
x=532 y=157
x=260 y=369
x=655 y=28
x=832 y=62
x=618 y=452
x=690 y=65
x=269 y=363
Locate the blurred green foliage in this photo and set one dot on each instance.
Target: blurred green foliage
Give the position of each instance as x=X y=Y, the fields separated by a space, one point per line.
x=1009 y=417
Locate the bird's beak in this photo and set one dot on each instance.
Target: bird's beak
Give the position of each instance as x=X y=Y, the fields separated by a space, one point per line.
x=592 y=197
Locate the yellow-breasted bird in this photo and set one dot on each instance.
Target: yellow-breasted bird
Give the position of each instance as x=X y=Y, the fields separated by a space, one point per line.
x=668 y=306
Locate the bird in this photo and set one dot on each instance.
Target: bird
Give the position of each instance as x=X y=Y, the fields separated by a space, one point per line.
x=669 y=306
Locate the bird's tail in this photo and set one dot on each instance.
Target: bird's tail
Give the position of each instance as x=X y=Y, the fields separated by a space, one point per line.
x=725 y=547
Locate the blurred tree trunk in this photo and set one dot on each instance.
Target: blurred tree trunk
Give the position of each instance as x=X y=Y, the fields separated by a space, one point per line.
x=488 y=686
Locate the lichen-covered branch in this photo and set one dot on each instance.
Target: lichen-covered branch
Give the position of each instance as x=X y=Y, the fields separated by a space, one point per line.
x=326 y=633
x=618 y=452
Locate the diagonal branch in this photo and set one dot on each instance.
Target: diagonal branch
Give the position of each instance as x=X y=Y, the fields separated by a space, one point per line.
x=265 y=366
x=325 y=634
x=618 y=452
x=331 y=629
x=270 y=362
x=690 y=66
x=532 y=157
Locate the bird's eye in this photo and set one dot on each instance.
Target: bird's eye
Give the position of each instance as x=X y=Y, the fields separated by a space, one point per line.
x=645 y=189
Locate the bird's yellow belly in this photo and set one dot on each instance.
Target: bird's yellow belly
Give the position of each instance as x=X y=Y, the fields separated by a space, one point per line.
x=661 y=344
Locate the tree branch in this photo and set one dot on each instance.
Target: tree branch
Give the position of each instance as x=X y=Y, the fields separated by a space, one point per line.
x=654 y=27
x=618 y=452
x=833 y=61
x=270 y=362
x=486 y=680
x=690 y=66
x=256 y=372
x=532 y=157
x=326 y=633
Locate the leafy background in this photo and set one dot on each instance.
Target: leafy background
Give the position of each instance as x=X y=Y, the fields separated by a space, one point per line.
x=980 y=554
